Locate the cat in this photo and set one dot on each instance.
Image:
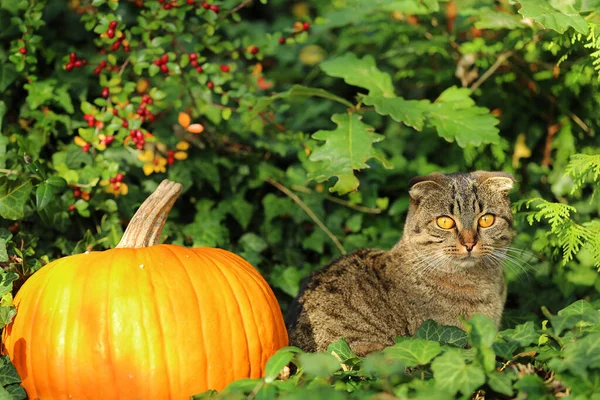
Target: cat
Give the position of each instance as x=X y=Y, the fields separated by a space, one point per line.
x=447 y=265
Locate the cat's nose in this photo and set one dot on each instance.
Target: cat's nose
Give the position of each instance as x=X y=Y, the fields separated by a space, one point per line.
x=469 y=246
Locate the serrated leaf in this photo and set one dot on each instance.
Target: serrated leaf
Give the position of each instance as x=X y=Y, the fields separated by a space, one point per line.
x=580 y=356
x=6 y=281
x=13 y=196
x=500 y=383
x=451 y=335
x=524 y=334
x=552 y=18
x=360 y=72
x=43 y=195
x=409 y=112
x=452 y=374
x=414 y=351
x=239 y=209
x=207 y=230
x=579 y=314
x=456 y=118
x=347 y=148
x=8 y=373
x=7 y=313
x=279 y=360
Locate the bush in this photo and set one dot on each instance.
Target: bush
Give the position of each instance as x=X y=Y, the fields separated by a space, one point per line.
x=294 y=128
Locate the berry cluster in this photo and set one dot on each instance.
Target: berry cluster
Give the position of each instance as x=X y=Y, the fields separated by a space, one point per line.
x=107 y=140
x=171 y=157
x=111 y=29
x=252 y=49
x=100 y=67
x=194 y=62
x=116 y=181
x=299 y=27
x=162 y=63
x=74 y=62
x=143 y=111
x=212 y=7
x=138 y=138
x=90 y=120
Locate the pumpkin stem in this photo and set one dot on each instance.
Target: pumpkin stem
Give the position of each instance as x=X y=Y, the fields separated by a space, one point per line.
x=147 y=223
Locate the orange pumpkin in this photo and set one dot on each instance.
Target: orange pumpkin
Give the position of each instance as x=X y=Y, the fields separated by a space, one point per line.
x=143 y=321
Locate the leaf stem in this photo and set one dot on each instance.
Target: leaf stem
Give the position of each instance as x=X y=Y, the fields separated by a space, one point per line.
x=345 y=203
x=499 y=61
x=9 y=172
x=308 y=211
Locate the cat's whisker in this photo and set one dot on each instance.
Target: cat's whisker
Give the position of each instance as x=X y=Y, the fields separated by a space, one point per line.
x=515 y=264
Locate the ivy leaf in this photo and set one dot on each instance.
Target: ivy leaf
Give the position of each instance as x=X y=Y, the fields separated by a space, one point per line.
x=346 y=149
x=360 y=72
x=8 y=373
x=238 y=208
x=489 y=19
x=6 y=281
x=451 y=335
x=409 y=112
x=13 y=196
x=43 y=195
x=524 y=334
x=579 y=314
x=207 y=228
x=455 y=117
x=501 y=383
x=414 y=351
x=342 y=350
x=552 y=18
x=580 y=356
x=318 y=364
x=279 y=360
x=3 y=252
x=451 y=373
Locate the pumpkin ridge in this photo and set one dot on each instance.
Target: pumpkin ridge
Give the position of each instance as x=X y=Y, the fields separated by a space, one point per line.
x=161 y=339
x=108 y=318
x=239 y=310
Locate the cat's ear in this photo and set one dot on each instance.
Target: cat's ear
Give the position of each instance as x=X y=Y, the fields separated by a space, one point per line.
x=422 y=186
x=499 y=181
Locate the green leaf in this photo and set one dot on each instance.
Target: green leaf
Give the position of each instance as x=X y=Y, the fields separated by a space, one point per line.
x=6 y=281
x=7 y=313
x=207 y=229
x=347 y=148
x=579 y=314
x=305 y=91
x=13 y=196
x=8 y=373
x=552 y=18
x=279 y=360
x=524 y=334
x=490 y=19
x=3 y=252
x=532 y=387
x=456 y=118
x=8 y=74
x=56 y=182
x=360 y=72
x=580 y=356
x=500 y=383
x=239 y=208
x=3 y=110
x=43 y=195
x=342 y=350
x=481 y=331
x=451 y=335
x=451 y=373
x=414 y=351
x=318 y=364
x=409 y=112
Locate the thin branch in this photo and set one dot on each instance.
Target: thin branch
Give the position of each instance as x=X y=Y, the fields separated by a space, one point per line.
x=337 y=200
x=579 y=122
x=499 y=61
x=9 y=172
x=237 y=8
x=307 y=210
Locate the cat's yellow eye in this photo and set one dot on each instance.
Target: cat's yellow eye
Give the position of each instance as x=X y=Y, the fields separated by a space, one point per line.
x=487 y=220
x=445 y=222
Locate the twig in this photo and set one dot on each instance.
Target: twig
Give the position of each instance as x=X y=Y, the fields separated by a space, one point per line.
x=579 y=122
x=237 y=8
x=499 y=61
x=307 y=210
x=345 y=203
x=551 y=132
x=9 y=172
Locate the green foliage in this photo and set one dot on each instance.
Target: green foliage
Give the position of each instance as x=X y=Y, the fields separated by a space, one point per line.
x=412 y=87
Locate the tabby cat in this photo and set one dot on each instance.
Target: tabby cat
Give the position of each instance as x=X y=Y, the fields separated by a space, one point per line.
x=447 y=265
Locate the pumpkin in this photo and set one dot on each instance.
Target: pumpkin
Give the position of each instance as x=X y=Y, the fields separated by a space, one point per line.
x=143 y=321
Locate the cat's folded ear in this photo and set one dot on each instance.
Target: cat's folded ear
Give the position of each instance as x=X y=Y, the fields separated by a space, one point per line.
x=500 y=181
x=421 y=186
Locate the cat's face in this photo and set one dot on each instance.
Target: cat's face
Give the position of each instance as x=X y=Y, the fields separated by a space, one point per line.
x=459 y=220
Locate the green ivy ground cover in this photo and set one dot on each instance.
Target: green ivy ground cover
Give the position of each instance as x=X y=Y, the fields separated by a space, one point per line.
x=294 y=128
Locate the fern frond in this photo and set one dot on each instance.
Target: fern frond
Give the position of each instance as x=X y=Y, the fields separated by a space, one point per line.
x=580 y=167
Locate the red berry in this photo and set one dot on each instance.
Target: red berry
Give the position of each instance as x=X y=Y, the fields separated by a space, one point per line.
x=97 y=71
x=139 y=135
x=105 y=92
x=199 y=69
x=115 y=46
x=109 y=139
x=145 y=98
x=139 y=145
x=88 y=117
x=253 y=49
x=112 y=25
x=164 y=58
x=151 y=116
x=23 y=50
x=73 y=57
x=149 y=101
x=115 y=112
x=102 y=64
x=140 y=111
x=86 y=148
x=110 y=33
x=69 y=66
x=215 y=8
x=76 y=192
x=282 y=40
x=91 y=122
x=210 y=85
x=119 y=177
x=193 y=56
x=305 y=26
x=224 y=68
x=71 y=207
x=116 y=186
x=157 y=62
x=83 y=61
x=77 y=64
x=191 y=2
x=205 y=5
x=113 y=180
x=127 y=48
x=194 y=63
x=164 y=68
x=125 y=124
x=168 y=6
